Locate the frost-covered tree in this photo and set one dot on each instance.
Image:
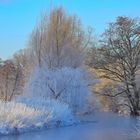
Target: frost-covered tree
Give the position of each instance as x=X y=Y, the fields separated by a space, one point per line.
x=56 y=55
x=67 y=85
x=121 y=60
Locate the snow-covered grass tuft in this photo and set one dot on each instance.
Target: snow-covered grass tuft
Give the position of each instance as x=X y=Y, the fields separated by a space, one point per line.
x=16 y=117
x=59 y=111
x=26 y=115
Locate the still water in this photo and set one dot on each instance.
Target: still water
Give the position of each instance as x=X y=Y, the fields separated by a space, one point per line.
x=100 y=126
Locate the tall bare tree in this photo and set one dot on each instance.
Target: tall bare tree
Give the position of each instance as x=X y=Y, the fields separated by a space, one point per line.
x=22 y=59
x=59 y=39
x=10 y=77
x=119 y=60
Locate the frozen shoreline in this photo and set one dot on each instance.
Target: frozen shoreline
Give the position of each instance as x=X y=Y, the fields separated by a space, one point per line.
x=32 y=115
x=105 y=126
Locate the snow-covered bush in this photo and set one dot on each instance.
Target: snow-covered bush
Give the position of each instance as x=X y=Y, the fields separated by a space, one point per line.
x=16 y=117
x=59 y=111
x=28 y=114
x=68 y=85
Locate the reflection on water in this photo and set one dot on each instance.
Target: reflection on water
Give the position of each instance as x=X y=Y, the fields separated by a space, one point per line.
x=134 y=131
x=107 y=126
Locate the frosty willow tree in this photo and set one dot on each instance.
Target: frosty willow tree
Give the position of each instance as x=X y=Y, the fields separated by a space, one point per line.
x=67 y=85
x=56 y=50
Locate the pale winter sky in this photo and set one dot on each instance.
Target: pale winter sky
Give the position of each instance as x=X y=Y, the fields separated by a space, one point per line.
x=18 y=17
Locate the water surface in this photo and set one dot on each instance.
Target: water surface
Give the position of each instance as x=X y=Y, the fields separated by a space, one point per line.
x=100 y=126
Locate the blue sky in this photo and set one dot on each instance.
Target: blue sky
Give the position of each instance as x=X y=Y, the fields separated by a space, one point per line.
x=18 y=17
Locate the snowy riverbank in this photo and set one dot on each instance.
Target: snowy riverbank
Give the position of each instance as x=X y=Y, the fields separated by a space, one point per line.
x=101 y=126
x=26 y=115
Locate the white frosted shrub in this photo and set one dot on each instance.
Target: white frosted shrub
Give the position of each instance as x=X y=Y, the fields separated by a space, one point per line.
x=68 y=85
x=58 y=111
x=28 y=114
x=20 y=117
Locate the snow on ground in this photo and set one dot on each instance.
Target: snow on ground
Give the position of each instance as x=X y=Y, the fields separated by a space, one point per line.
x=27 y=115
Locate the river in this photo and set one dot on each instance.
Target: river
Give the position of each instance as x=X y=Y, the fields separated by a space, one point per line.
x=99 y=126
